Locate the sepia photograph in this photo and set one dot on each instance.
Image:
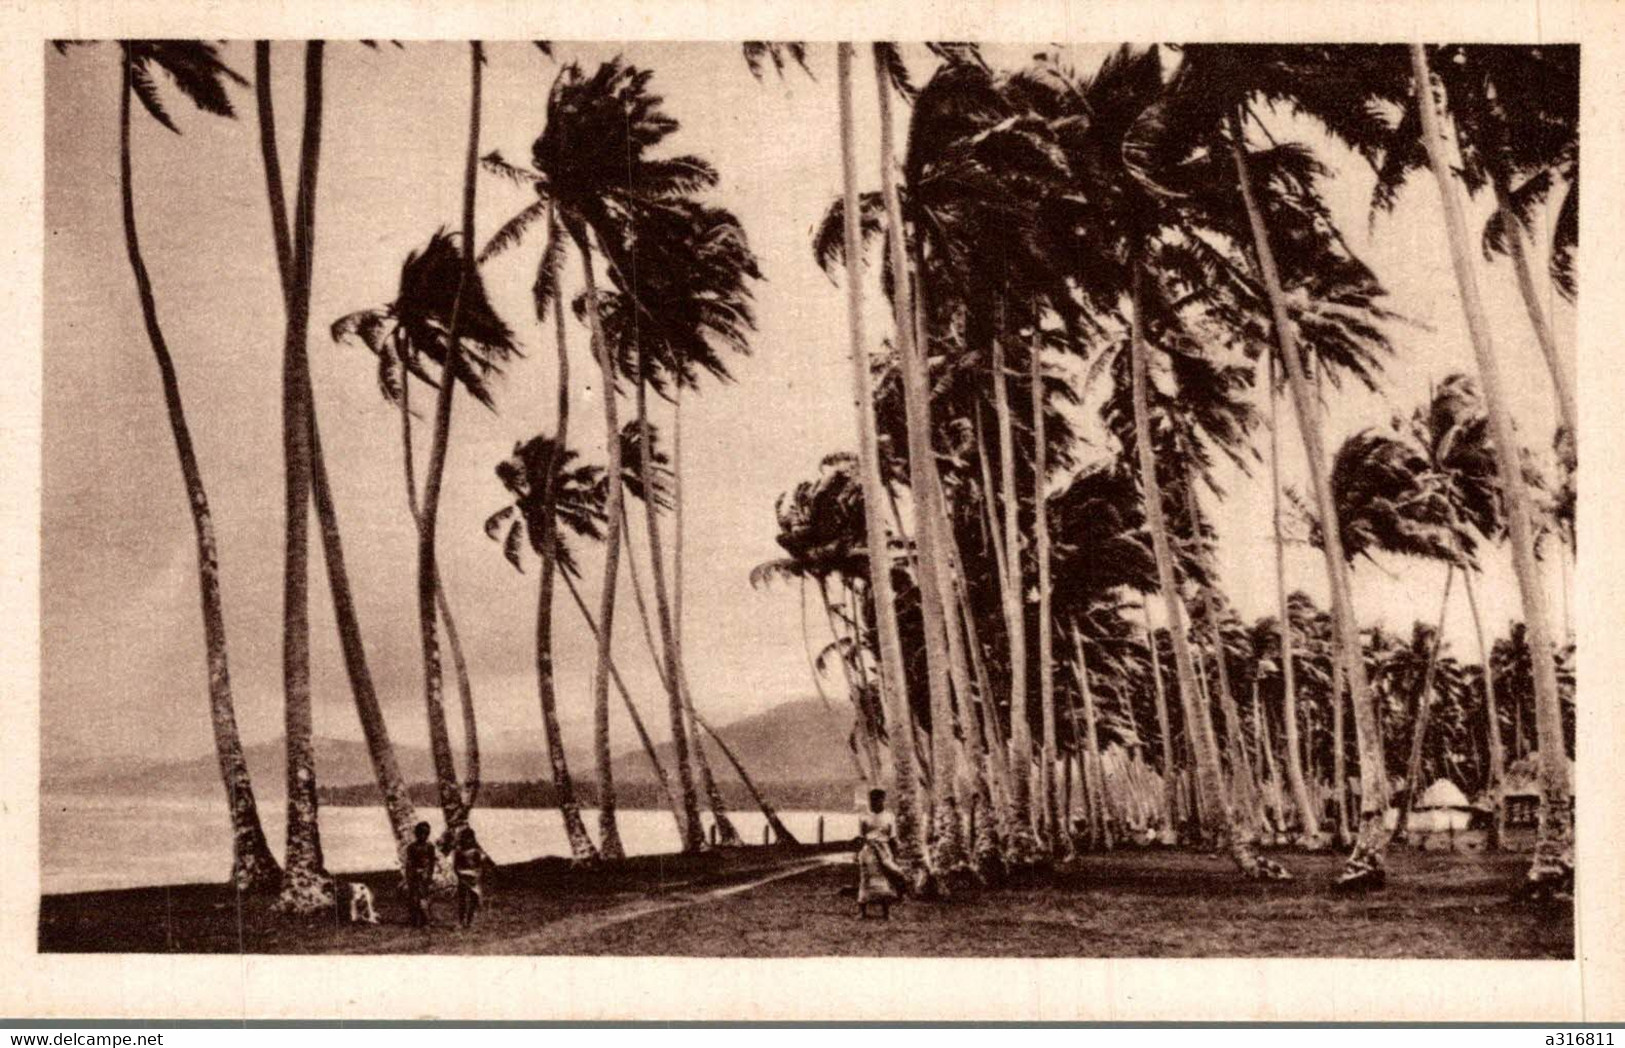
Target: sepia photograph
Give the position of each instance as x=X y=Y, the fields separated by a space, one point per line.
x=770 y=499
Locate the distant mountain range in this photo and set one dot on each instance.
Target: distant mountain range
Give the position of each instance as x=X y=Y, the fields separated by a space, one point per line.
x=797 y=742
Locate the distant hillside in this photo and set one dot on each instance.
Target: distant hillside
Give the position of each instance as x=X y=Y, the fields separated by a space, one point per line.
x=792 y=745
x=801 y=741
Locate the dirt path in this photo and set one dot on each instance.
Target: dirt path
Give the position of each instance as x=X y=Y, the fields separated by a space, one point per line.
x=543 y=939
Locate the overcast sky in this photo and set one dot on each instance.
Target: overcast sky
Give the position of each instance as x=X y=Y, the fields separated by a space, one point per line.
x=122 y=650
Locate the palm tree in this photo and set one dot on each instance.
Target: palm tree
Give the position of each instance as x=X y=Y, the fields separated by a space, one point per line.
x=1333 y=85
x=391 y=785
x=453 y=804
x=892 y=684
x=1452 y=432
x=1516 y=114
x=306 y=886
x=550 y=490
x=591 y=166
x=821 y=530
x=195 y=68
x=948 y=854
x=648 y=477
x=1553 y=865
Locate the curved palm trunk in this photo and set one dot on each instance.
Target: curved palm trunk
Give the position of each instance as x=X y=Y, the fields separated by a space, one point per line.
x=900 y=730
x=306 y=886
x=632 y=712
x=1199 y=728
x=1289 y=687
x=726 y=833
x=253 y=868
x=1493 y=722
x=1424 y=707
x=465 y=686
x=1554 y=854
x=609 y=835
x=391 y=786
x=1562 y=383
x=1365 y=862
x=947 y=844
x=453 y=805
x=582 y=849
x=781 y=832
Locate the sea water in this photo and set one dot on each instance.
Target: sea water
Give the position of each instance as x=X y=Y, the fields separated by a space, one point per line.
x=89 y=843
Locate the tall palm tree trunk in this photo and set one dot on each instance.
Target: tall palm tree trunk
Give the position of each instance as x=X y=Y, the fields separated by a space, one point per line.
x=1289 y=686
x=1492 y=718
x=1553 y=864
x=726 y=833
x=391 y=786
x=306 y=886
x=609 y=835
x=947 y=845
x=1424 y=707
x=1024 y=845
x=1365 y=862
x=1340 y=787
x=1100 y=829
x=582 y=849
x=1210 y=774
x=453 y=805
x=1270 y=775
x=1046 y=628
x=1170 y=782
x=459 y=662
x=1241 y=766
x=1562 y=382
x=253 y=867
x=900 y=730
x=781 y=832
x=659 y=769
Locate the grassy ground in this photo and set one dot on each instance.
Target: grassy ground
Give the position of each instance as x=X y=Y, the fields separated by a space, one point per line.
x=1128 y=903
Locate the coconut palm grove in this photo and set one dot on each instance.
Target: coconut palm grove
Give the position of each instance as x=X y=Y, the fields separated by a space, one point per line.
x=1130 y=582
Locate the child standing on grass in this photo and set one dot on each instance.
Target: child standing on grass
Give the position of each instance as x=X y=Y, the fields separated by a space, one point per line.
x=420 y=864
x=469 y=862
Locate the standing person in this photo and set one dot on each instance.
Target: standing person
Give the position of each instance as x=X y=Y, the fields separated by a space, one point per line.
x=469 y=862
x=420 y=864
x=879 y=877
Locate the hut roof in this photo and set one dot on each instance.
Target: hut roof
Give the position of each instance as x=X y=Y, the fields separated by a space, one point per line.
x=1442 y=794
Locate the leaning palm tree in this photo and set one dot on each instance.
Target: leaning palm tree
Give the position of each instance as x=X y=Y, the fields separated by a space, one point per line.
x=550 y=491
x=1516 y=115
x=452 y=801
x=197 y=71
x=409 y=337
x=1332 y=84
x=649 y=479
x=591 y=170
x=1553 y=866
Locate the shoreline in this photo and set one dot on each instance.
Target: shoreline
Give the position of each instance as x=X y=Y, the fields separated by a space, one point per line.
x=797 y=901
